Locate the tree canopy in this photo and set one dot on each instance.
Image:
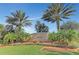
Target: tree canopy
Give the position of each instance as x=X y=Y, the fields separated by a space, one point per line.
x=41 y=27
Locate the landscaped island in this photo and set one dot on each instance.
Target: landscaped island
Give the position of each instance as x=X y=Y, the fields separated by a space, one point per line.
x=16 y=40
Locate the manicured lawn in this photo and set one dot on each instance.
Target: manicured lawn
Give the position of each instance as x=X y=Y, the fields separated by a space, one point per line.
x=29 y=50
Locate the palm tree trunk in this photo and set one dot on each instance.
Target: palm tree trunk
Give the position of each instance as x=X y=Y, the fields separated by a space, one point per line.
x=58 y=25
x=18 y=29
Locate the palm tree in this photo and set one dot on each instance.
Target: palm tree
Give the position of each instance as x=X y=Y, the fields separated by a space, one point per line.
x=18 y=19
x=57 y=11
x=41 y=27
x=9 y=28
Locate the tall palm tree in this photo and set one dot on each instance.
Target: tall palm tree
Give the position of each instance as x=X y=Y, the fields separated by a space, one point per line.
x=18 y=19
x=57 y=11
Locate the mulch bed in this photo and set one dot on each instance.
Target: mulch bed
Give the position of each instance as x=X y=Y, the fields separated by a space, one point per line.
x=59 y=49
x=3 y=46
x=47 y=46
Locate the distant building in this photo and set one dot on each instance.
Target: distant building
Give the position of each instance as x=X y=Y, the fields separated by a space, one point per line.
x=40 y=36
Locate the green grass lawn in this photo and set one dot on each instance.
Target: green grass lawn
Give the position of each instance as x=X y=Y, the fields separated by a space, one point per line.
x=29 y=50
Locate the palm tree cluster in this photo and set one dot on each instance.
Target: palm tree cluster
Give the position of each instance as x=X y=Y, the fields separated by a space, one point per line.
x=56 y=12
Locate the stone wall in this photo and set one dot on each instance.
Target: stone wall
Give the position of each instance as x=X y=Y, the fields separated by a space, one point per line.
x=40 y=36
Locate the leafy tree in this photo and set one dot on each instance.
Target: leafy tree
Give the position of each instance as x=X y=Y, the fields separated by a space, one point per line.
x=56 y=12
x=41 y=27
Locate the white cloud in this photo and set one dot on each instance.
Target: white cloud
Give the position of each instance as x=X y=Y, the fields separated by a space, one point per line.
x=29 y=30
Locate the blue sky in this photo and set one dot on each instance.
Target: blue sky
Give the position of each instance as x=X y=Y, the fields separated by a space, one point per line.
x=35 y=12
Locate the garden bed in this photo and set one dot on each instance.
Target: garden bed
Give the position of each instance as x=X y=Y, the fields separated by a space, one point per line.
x=59 y=49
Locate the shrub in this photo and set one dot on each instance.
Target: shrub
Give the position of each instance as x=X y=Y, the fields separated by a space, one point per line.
x=74 y=43
x=9 y=38
x=57 y=36
x=1 y=41
x=23 y=36
x=66 y=38
x=13 y=37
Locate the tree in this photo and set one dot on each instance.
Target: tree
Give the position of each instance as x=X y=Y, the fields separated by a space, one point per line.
x=9 y=28
x=57 y=11
x=70 y=25
x=18 y=19
x=6 y=30
x=41 y=27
